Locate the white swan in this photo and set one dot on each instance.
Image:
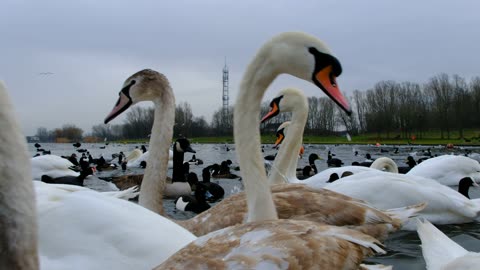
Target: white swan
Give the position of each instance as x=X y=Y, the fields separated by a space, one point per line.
x=79 y=228
x=265 y=241
x=149 y=85
x=293 y=100
x=53 y=166
x=448 y=169
x=284 y=167
x=389 y=190
x=442 y=253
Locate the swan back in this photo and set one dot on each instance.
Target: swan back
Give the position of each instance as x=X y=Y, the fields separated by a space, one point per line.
x=136 y=153
x=18 y=233
x=389 y=190
x=448 y=169
x=320 y=179
x=51 y=165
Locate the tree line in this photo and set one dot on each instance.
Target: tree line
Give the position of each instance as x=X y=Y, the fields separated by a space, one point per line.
x=445 y=103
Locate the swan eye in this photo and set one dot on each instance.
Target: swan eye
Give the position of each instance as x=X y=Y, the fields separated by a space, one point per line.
x=323 y=60
x=126 y=90
x=276 y=101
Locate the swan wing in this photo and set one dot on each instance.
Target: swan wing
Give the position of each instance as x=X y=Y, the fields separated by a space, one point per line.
x=255 y=245
x=387 y=190
x=86 y=229
x=320 y=179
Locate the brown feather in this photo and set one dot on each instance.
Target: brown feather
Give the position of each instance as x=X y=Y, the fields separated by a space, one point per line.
x=278 y=244
x=299 y=202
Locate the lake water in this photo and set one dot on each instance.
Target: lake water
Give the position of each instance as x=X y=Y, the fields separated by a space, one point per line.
x=403 y=247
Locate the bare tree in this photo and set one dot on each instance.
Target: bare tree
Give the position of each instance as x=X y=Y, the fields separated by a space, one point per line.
x=103 y=131
x=475 y=94
x=360 y=106
x=183 y=120
x=69 y=132
x=461 y=102
x=439 y=89
x=138 y=123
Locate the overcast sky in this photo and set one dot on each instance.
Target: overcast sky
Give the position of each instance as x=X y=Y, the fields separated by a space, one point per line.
x=91 y=47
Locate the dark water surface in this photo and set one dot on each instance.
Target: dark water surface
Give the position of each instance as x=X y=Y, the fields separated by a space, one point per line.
x=403 y=247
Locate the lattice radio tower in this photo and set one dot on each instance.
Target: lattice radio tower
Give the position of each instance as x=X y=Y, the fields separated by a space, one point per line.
x=225 y=97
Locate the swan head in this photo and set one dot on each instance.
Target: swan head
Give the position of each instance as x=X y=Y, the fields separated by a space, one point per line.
x=145 y=85
x=287 y=100
x=464 y=185
x=281 y=131
x=306 y=57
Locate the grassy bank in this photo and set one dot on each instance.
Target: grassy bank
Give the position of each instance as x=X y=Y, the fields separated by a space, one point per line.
x=333 y=140
x=472 y=137
x=428 y=138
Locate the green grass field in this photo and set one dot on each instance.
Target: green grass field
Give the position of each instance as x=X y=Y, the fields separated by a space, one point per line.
x=428 y=138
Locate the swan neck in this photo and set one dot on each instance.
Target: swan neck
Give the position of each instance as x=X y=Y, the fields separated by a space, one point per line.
x=287 y=158
x=153 y=184
x=247 y=139
x=18 y=236
x=385 y=164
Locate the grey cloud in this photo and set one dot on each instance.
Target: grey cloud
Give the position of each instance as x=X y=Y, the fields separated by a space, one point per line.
x=92 y=46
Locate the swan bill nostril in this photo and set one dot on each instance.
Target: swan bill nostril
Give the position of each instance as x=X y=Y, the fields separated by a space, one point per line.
x=326 y=80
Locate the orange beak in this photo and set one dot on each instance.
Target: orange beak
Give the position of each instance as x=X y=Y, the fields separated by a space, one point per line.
x=328 y=83
x=302 y=150
x=273 y=111
x=279 y=140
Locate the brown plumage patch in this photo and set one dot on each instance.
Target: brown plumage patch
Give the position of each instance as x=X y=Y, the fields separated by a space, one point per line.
x=277 y=244
x=127 y=181
x=299 y=202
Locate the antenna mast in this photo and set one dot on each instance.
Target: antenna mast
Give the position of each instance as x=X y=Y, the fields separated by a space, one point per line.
x=225 y=97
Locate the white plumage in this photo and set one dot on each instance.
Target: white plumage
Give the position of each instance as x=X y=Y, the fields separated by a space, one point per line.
x=442 y=253
x=448 y=169
x=53 y=166
x=389 y=190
